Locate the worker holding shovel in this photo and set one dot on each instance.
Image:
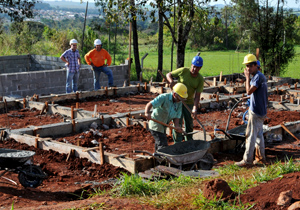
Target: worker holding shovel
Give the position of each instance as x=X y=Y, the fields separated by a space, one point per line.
x=166 y=107
x=257 y=89
x=194 y=82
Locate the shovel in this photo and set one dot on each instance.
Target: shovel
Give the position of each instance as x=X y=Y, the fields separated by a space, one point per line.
x=165 y=124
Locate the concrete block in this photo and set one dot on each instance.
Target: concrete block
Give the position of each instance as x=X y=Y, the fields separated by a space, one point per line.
x=43 y=57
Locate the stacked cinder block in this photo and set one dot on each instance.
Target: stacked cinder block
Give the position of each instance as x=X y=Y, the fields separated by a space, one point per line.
x=35 y=74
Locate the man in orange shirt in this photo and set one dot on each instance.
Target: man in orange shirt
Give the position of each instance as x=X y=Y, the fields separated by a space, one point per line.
x=96 y=58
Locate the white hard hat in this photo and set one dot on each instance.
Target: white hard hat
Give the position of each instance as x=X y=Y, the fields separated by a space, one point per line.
x=97 y=42
x=73 y=41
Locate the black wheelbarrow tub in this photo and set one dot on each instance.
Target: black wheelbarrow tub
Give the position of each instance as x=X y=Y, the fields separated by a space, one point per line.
x=185 y=152
x=238 y=133
x=11 y=158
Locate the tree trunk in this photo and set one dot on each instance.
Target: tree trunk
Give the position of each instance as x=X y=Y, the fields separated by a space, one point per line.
x=160 y=45
x=116 y=31
x=135 y=43
x=180 y=54
x=183 y=30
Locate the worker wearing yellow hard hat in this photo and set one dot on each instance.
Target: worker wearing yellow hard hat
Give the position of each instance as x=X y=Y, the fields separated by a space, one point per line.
x=194 y=82
x=257 y=89
x=166 y=107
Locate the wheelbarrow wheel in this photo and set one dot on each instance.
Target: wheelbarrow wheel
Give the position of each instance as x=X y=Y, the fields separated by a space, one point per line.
x=207 y=162
x=30 y=176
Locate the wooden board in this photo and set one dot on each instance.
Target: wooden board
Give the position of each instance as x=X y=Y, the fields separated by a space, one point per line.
x=131 y=165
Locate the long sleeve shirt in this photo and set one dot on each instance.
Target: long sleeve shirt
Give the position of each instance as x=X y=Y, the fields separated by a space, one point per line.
x=98 y=57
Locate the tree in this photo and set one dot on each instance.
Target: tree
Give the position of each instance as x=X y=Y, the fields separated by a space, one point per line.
x=160 y=42
x=17 y=10
x=271 y=29
x=185 y=13
x=125 y=11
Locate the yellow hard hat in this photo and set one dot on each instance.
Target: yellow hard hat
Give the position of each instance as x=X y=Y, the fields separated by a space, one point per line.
x=249 y=59
x=181 y=90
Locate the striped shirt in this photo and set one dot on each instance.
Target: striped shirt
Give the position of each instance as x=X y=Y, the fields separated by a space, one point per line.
x=72 y=57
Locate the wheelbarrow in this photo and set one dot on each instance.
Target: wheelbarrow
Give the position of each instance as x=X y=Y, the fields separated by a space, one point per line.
x=238 y=133
x=188 y=152
x=20 y=162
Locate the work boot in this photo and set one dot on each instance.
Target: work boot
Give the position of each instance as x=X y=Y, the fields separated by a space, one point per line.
x=242 y=163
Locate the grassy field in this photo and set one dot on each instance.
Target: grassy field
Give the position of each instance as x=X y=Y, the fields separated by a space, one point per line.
x=214 y=62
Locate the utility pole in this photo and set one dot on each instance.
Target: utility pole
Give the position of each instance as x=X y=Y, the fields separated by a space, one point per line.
x=87 y=3
x=129 y=54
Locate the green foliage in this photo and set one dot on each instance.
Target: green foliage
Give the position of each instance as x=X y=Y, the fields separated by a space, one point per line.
x=135 y=185
x=12 y=206
x=276 y=170
x=17 y=10
x=229 y=169
x=97 y=192
x=240 y=184
x=271 y=29
x=218 y=204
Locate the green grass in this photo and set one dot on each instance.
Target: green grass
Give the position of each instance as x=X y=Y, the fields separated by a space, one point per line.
x=293 y=67
x=204 y=203
x=186 y=192
x=214 y=62
x=228 y=62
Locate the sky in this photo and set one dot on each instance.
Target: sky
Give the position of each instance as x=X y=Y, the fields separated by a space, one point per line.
x=290 y=3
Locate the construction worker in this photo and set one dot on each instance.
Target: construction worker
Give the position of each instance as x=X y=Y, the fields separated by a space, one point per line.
x=257 y=89
x=99 y=59
x=166 y=107
x=194 y=83
x=73 y=63
x=258 y=65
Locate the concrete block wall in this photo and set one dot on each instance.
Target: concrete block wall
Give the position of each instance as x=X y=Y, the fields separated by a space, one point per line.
x=10 y=64
x=42 y=62
x=25 y=63
x=54 y=81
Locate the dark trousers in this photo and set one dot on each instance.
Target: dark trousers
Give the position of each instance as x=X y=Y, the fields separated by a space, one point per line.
x=161 y=140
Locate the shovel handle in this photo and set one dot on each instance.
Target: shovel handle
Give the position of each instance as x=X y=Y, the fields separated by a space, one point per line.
x=157 y=121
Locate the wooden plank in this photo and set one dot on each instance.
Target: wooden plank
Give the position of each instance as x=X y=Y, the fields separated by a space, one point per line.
x=168 y=170
x=131 y=165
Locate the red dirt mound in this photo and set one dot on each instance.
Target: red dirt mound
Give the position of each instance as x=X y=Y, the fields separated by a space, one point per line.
x=218 y=188
x=266 y=194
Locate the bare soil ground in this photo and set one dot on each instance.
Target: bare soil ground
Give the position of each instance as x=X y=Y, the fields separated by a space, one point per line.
x=113 y=104
x=23 y=118
x=66 y=180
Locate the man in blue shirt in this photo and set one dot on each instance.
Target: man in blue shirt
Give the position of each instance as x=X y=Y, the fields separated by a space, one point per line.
x=73 y=62
x=258 y=90
x=166 y=107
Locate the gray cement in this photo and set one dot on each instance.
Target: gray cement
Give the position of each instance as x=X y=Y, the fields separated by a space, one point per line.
x=11 y=153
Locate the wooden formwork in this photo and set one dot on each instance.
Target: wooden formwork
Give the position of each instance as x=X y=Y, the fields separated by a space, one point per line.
x=130 y=164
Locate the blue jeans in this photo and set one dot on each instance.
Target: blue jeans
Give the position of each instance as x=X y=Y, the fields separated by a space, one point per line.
x=97 y=71
x=72 y=77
